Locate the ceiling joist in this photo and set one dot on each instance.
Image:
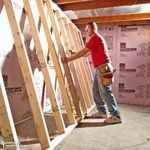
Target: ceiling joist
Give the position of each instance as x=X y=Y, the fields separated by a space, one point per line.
x=114 y=20
x=93 y=4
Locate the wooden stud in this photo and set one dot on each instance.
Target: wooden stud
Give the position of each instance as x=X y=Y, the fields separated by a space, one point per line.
x=28 y=77
x=44 y=67
x=66 y=45
x=59 y=74
x=7 y=126
x=60 y=45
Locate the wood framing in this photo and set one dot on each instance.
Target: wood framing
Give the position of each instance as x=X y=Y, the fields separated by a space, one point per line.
x=7 y=126
x=59 y=74
x=94 y=4
x=44 y=67
x=78 y=70
x=66 y=46
x=82 y=63
x=27 y=76
x=56 y=64
x=60 y=45
x=85 y=65
x=114 y=19
x=86 y=62
x=77 y=64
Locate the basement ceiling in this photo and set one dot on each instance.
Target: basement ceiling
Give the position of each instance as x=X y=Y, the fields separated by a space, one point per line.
x=106 y=11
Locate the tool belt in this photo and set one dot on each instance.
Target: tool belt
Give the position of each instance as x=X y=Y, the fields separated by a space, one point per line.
x=106 y=74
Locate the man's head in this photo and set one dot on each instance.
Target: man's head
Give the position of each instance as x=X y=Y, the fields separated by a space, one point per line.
x=91 y=28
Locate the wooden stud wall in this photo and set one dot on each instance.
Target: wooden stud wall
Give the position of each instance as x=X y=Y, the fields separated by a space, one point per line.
x=76 y=73
x=57 y=65
x=60 y=45
x=67 y=46
x=79 y=64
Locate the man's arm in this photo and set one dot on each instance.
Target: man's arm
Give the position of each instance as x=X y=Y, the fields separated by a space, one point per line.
x=79 y=54
x=87 y=54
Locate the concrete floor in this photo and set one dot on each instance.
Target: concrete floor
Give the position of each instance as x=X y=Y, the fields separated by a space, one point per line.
x=93 y=134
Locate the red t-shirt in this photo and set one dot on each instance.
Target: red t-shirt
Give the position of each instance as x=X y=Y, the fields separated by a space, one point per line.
x=98 y=48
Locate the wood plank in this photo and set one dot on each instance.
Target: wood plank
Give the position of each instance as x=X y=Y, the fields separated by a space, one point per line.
x=23 y=59
x=44 y=67
x=59 y=74
x=60 y=45
x=114 y=19
x=7 y=126
x=67 y=46
x=93 y=4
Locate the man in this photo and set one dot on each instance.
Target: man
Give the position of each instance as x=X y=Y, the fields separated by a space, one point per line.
x=102 y=93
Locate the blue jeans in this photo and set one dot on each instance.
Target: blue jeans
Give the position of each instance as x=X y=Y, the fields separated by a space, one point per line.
x=103 y=95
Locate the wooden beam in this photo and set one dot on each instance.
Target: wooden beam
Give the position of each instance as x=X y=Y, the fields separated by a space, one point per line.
x=93 y=4
x=114 y=20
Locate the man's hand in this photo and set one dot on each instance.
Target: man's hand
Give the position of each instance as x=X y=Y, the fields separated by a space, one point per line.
x=74 y=55
x=64 y=60
x=69 y=54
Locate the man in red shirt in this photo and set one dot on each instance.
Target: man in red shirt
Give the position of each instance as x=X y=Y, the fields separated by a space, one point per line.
x=102 y=94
